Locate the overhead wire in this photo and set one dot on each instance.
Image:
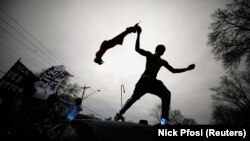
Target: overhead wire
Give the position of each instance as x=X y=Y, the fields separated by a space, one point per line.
x=21 y=56
x=26 y=31
x=43 y=46
x=11 y=45
x=93 y=111
x=26 y=46
x=51 y=55
x=20 y=33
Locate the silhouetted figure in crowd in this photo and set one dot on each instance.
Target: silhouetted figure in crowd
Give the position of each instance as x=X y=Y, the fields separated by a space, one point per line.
x=74 y=108
x=148 y=82
x=53 y=111
x=107 y=44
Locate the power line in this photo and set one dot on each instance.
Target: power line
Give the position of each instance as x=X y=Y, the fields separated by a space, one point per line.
x=38 y=42
x=3 y=72
x=18 y=52
x=38 y=66
x=17 y=40
x=54 y=58
x=33 y=51
x=20 y=33
x=34 y=38
x=26 y=39
x=93 y=111
x=20 y=55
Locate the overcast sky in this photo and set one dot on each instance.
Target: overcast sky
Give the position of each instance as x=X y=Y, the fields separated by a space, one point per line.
x=73 y=30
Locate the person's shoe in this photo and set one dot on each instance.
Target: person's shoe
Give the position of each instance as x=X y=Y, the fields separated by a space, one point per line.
x=118 y=117
x=164 y=122
x=98 y=61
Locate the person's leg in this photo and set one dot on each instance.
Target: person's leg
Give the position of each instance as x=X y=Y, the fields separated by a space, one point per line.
x=165 y=98
x=159 y=89
x=138 y=92
x=127 y=105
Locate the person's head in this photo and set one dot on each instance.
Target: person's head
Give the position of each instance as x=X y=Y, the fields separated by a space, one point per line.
x=78 y=101
x=160 y=49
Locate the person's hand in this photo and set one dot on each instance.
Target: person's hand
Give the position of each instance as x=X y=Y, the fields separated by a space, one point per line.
x=130 y=30
x=138 y=29
x=192 y=66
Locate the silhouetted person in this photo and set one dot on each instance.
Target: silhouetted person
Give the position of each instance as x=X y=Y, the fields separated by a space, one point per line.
x=74 y=108
x=148 y=82
x=107 y=44
x=53 y=111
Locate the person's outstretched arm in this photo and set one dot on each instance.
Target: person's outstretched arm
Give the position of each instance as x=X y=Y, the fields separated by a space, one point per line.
x=174 y=70
x=137 y=44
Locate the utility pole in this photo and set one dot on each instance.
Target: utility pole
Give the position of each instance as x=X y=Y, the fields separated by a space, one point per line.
x=84 y=89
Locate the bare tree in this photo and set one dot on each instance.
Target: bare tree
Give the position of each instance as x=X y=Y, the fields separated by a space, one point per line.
x=230 y=35
x=188 y=121
x=230 y=42
x=232 y=99
x=174 y=115
x=69 y=89
x=156 y=112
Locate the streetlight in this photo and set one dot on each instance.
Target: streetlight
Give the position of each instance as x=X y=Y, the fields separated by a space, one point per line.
x=122 y=88
x=91 y=94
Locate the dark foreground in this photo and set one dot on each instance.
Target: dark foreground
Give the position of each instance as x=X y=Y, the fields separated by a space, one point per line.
x=85 y=130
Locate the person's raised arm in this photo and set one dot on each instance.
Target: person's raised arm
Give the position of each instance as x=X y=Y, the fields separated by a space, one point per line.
x=180 y=70
x=137 y=44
